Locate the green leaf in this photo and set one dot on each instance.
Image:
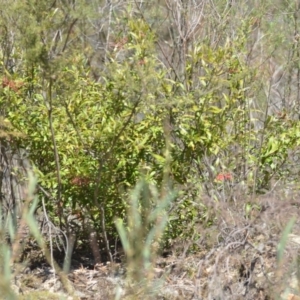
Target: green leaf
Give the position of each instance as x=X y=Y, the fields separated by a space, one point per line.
x=160 y=159
x=215 y=109
x=273 y=147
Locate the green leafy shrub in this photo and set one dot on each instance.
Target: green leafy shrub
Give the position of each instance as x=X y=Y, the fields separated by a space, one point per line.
x=90 y=140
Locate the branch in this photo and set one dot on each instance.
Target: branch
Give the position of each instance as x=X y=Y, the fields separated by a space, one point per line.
x=56 y=156
x=100 y=169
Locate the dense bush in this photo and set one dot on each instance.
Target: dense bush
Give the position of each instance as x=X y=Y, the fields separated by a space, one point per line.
x=92 y=128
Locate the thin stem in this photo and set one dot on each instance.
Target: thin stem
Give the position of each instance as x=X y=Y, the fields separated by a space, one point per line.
x=55 y=151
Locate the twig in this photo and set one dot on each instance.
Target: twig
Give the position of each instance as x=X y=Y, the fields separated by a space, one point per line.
x=55 y=150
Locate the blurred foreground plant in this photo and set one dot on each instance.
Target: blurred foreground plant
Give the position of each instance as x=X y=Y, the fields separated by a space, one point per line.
x=11 y=247
x=142 y=234
x=11 y=236
x=146 y=221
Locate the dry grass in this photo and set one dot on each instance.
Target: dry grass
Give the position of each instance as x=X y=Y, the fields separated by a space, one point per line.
x=236 y=258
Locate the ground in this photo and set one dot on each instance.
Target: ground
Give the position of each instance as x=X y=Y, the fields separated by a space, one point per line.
x=241 y=260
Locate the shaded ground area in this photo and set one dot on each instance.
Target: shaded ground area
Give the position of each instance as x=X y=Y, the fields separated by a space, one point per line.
x=235 y=259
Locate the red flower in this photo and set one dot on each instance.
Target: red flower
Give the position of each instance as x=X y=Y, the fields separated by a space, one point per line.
x=80 y=181
x=12 y=85
x=224 y=176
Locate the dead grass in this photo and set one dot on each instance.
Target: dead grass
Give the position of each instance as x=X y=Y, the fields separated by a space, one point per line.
x=238 y=257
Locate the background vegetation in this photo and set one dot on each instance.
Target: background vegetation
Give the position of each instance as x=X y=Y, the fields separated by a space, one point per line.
x=198 y=97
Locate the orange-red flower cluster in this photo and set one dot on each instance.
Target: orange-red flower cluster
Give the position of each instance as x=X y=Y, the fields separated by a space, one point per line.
x=80 y=181
x=11 y=84
x=224 y=176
